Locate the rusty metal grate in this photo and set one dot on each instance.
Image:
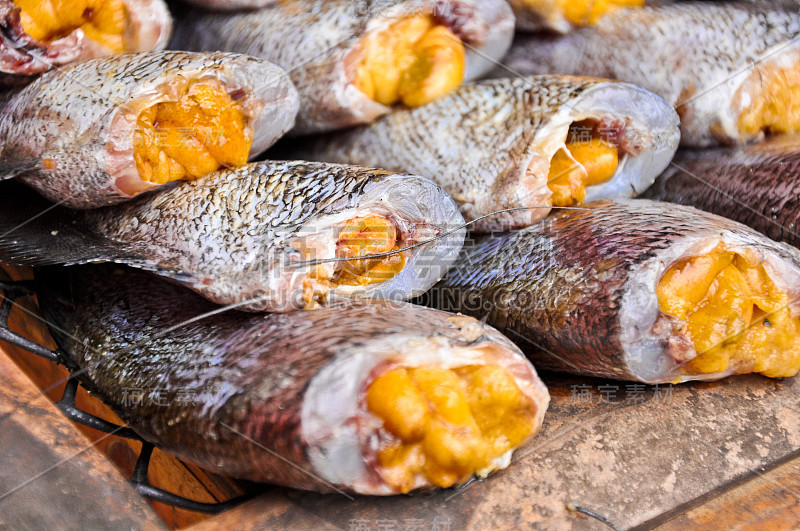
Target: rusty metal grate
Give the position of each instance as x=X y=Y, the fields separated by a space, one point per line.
x=10 y=292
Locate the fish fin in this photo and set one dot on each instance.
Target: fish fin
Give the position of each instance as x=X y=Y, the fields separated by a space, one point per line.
x=35 y=232
x=7 y=173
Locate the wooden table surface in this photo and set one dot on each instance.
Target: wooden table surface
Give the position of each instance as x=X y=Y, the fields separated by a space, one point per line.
x=722 y=455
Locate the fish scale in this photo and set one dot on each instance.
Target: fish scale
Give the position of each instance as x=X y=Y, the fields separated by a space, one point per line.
x=457 y=141
x=248 y=373
x=689 y=53
x=569 y=289
x=228 y=244
x=62 y=131
x=313 y=40
x=148 y=27
x=758 y=185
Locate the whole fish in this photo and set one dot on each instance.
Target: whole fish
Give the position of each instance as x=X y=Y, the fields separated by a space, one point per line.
x=271 y=236
x=38 y=35
x=757 y=185
x=372 y=397
x=352 y=60
x=731 y=69
x=523 y=142
x=104 y=130
x=637 y=290
x=563 y=16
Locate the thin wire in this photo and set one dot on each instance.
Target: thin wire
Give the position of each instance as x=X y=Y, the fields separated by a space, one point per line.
x=430 y=240
x=593 y=514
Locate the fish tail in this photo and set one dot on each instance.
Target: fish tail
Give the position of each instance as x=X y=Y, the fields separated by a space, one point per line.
x=36 y=232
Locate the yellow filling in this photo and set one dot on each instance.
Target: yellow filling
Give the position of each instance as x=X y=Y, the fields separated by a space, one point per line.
x=775 y=108
x=414 y=61
x=366 y=236
x=102 y=21
x=589 y=12
x=734 y=314
x=360 y=236
x=446 y=425
x=201 y=132
x=581 y=163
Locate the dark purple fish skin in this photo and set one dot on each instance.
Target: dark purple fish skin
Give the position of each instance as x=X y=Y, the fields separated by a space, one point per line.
x=577 y=291
x=149 y=28
x=757 y=184
x=227 y=392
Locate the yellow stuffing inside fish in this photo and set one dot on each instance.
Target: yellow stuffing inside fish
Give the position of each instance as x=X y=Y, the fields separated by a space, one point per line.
x=589 y=12
x=775 y=106
x=359 y=236
x=413 y=61
x=103 y=21
x=733 y=313
x=368 y=235
x=447 y=424
x=580 y=163
x=204 y=130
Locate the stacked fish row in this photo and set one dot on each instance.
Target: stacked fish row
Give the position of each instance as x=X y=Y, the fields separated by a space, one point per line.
x=142 y=159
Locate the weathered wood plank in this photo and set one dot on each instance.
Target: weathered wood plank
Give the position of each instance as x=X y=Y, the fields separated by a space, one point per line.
x=52 y=476
x=638 y=455
x=771 y=500
x=165 y=471
x=628 y=460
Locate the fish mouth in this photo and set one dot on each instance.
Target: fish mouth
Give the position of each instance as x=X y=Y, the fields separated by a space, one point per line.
x=412 y=60
x=397 y=243
x=186 y=128
x=111 y=26
x=361 y=256
x=720 y=307
x=767 y=101
x=611 y=142
x=357 y=254
x=204 y=129
x=422 y=412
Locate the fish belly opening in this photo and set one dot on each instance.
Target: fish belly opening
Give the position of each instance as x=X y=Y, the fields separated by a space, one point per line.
x=358 y=237
x=206 y=129
x=733 y=314
x=103 y=21
x=445 y=425
x=775 y=106
x=587 y=12
x=413 y=61
x=587 y=158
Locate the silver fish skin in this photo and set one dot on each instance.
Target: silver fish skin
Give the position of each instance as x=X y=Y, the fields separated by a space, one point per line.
x=577 y=291
x=70 y=133
x=489 y=144
x=149 y=27
x=316 y=40
x=696 y=55
x=245 y=236
x=291 y=383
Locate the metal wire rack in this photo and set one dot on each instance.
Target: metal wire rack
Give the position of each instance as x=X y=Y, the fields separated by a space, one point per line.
x=13 y=290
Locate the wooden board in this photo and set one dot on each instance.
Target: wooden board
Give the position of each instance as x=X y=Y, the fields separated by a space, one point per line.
x=165 y=471
x=721 y=455
x=637 y=463
x=49 y=467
